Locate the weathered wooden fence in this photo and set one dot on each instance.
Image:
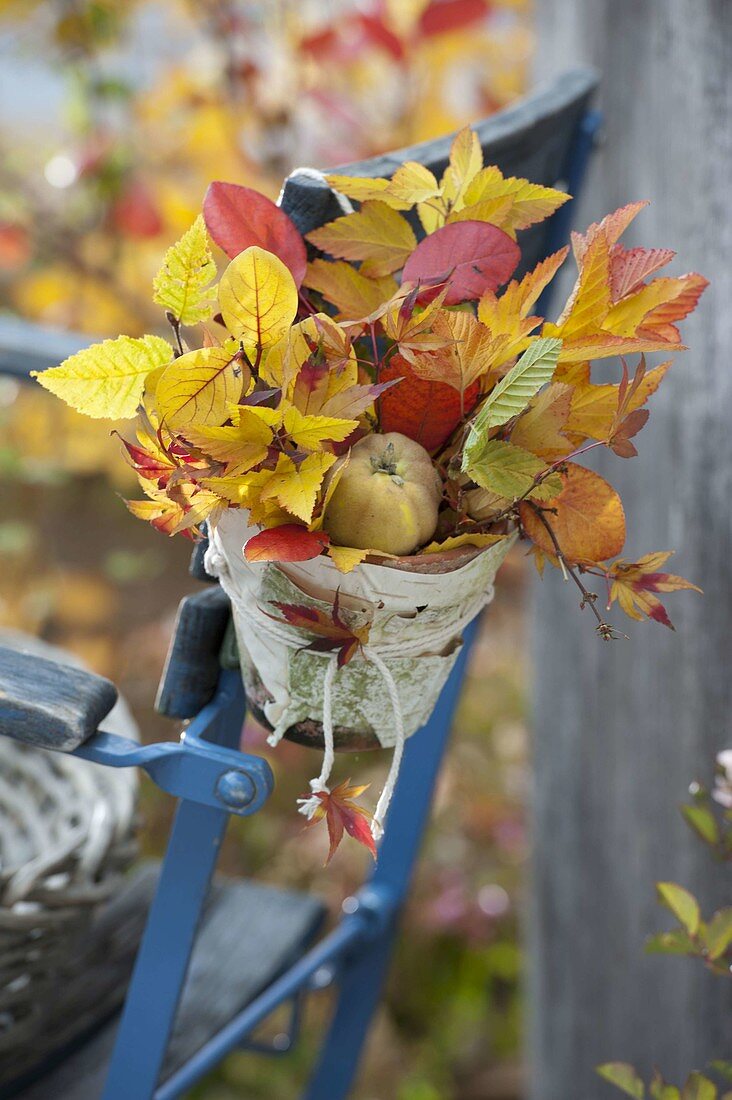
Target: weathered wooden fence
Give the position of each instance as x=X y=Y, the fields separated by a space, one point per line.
x=621 y=729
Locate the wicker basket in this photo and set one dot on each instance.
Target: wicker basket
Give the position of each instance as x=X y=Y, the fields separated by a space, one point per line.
x=66 y=838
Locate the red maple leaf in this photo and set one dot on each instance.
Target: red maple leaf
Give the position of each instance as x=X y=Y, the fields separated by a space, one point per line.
x=331 y=631
x=342 y=813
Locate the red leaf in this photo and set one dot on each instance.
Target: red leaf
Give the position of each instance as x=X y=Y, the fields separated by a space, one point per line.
x=289 y=542
x=146 y=464
x=450 y=15
x=630 y=267
x=423 y=410
x=238 y=217
x=341 y=812
x=471 y=257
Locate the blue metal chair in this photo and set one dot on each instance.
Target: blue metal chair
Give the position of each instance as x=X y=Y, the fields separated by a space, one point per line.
x=258 y=949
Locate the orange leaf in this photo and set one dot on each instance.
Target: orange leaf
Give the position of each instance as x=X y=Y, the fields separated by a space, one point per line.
x=288 y=542
x=341 y=813
x=422 y=409
x=589 y=521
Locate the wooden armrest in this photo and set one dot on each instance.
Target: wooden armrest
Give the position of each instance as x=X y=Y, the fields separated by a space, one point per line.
x=50 y=705
x=192 y=668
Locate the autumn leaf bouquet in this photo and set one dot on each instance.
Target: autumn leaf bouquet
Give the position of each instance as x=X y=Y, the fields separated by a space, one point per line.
x=368 y=418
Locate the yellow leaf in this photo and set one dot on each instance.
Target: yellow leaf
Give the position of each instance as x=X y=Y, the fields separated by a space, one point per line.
x=412 y=183
x=163 y=514
x=346 y=558
x=198 y=387
x=296 y=487
x=257 y=297
x=376 y=234
x=529 y=202
x=310 y=432
x=242 y=446
x=431 y=216
x=627 y=315
x=353 y=295
x=590 y=300
x=361 y=189
x=496 y=211
x=106 y=381
x=476 y=539
x=182 y=283
x=466 y=160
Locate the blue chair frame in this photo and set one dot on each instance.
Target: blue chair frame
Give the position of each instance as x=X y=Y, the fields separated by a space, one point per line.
x=212 y=779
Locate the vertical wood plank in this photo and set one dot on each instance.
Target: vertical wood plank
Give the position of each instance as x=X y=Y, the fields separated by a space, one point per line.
x=621 y=729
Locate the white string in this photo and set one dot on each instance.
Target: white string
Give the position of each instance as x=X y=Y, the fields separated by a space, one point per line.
x=315 y=174
x=308 y=806
x=382 y=806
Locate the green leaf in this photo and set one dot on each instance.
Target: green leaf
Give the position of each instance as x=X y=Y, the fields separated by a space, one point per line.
x=510 y=471
x=682 y=904
x=671 y=943
x=703 y=822
x=106 y=380
x=698 y=1087
x=182 y=283
x=718 y=934
x=513 y=393
x=624 y=1077
x=724 y=1069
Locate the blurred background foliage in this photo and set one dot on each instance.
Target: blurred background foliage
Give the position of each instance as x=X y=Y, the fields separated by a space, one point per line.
x=114 y=116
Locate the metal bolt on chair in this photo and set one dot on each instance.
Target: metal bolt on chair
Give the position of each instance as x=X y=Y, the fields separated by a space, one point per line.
x=216 y=956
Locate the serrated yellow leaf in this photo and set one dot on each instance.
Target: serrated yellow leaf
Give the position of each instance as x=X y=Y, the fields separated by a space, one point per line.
x=353 y=295
x=627 y=315
x=182 y=283
x=310 y=432
x=495 y=211
x=590 y=300
x=197 y=388
x=412 y=183
x=257 y=297
x=530 y=202
x=242 y=446
x=296 y=487
x=358 y=188
x=456 y=541
x=107 y=380
x=377 y=235
x=466 y=160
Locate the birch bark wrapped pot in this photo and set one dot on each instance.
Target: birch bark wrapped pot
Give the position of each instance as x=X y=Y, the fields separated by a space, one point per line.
x=417 y=608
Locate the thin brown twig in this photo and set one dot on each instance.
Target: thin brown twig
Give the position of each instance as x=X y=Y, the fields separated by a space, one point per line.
x=604 y=629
